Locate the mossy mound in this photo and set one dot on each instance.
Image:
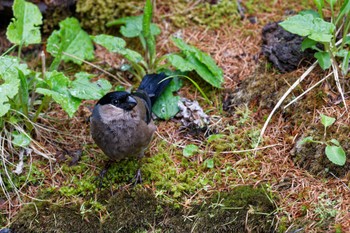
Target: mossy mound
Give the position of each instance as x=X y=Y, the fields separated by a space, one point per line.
x=245 y=209
x=94 y=14
x=46 y=217
x=312 y=157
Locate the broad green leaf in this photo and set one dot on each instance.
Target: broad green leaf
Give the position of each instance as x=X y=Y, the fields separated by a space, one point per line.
x=315 y=14
x=308 y=43
x=306 y=140
x=58 y=89
x=117 y=45
x=133 y=26
x=307 y=25
x=326 y=120
x=20 y=139
x=202 y=63
x=209 y=163
x=347 y=40
x=9 y=80
x=190 y=150
x=324 y=59
x=179 y=62
x=214 y=137
x=83 y=89
x=336 y=155
x=166 y=106
x=24 y=28
x=112 y=43
x=72 y=40
x=335 y=142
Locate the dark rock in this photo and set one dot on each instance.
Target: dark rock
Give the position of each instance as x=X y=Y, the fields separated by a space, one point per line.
x=283 y=48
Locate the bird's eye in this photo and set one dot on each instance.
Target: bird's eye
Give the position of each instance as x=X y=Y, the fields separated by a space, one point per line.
x=115 y=102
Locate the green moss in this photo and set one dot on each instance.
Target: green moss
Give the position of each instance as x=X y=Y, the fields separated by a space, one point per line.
x=212 y=15
x=94 y=14
x=47 y=217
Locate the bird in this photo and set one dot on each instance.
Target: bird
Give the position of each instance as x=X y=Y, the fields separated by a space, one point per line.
x=121 y=123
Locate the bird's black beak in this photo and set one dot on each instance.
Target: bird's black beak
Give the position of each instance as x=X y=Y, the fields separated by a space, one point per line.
x=131 y=102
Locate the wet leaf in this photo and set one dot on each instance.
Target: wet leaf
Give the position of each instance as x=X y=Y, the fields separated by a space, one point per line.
x=10 y=81
x=70 y=39
x=336 y=155
x=179 y=62
x=24 y=28
x=83 y=88
x=58 y=89
x=307 y=25
x=166 y=106
x=201 y=62
x=190 y=150
x=117 y=45
x=132 y=26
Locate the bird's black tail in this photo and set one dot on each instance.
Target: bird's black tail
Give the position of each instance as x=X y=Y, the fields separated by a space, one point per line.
x=154 y=85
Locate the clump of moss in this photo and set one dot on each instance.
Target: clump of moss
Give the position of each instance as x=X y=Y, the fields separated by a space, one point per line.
x=94 y=14
x=244 y=209
x=205 y=13
x=47 y=217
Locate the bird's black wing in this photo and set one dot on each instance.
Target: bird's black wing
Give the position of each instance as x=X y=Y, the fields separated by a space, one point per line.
x=154 y=85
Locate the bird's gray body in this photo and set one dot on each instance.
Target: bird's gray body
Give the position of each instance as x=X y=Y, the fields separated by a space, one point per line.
x=120 y=133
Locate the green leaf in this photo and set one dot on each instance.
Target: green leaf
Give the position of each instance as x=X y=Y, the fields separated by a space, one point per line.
x=133 y=26
x=308 y=43
x=306 y=140
x=202 y=63
x=72 y=40
x=20 y=139
x=307 y=25
x=58 y=85
x=335 y=142
x=209 y=163
x=190 y=150
x=331 y=2
x=324 y=59
x=24 y=27
x=166 y=106
x=117 y=45
x=336 y=155
x=83 y=89
x=315 y=14
x=179 y=62
x=214 y=137
x=326 y=120
x=9 y=80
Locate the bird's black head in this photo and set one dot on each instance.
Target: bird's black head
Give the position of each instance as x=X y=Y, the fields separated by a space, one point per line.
x=120 y=99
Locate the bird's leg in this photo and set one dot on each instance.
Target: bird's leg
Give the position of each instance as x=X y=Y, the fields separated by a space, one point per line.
x=102 y=174
x=137 y=178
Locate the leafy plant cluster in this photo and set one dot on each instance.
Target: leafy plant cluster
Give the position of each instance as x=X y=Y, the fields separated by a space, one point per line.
x=26 y=94
x=334 y=151
x=331 y=40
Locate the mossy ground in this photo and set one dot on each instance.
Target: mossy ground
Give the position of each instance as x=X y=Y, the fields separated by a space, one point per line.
x=184 y=194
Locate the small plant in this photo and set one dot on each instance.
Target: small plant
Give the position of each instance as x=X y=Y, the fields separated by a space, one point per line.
x=334 y=151
x=321 y=36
